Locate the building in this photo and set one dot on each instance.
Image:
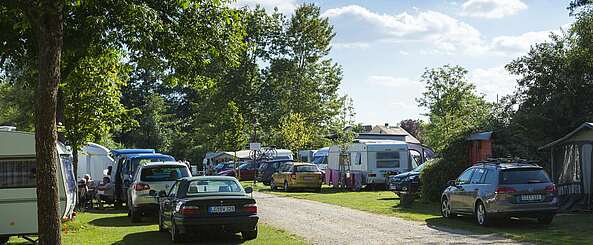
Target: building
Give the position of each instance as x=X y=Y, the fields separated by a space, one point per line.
x=480 y=146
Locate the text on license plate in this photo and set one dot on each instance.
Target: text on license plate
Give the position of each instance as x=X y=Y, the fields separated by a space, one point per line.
x=221 y=209
x=531 y=197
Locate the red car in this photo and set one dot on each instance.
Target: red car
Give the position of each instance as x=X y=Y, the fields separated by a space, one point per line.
x=246 y=170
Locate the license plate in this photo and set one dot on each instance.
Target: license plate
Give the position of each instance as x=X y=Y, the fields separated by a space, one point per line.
x=221 y=209
x=308 y=178
x=530 y=197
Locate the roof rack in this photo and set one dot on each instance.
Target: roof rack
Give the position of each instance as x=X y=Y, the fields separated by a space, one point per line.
x=501 y=160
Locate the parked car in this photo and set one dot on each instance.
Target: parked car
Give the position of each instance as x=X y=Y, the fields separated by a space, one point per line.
x=245 y=170
x=407 y=185
x=207 y=203
x=501 y=189
x=157 y=176
x=297 y=175
x=266 y=169
x=224 y=166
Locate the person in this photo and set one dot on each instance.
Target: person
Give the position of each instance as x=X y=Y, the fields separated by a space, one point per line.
x=104 y=191
x=91 y=189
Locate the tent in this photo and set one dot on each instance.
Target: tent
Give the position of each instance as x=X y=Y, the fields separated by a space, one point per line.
x=93 y=159
x=571 y=158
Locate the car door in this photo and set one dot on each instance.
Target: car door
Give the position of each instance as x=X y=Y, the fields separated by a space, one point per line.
x=473 y=188
x=168 y=203
x=456 y=192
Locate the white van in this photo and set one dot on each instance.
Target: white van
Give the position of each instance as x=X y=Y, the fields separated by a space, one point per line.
x=18 y=192
x=375 y=160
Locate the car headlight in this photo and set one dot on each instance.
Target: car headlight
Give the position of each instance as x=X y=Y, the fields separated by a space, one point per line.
x=413 y=177
x=178 y=207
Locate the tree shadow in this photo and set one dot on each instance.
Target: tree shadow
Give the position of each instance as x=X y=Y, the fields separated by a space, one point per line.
x=105 y=211
x=156 y=237
x=122 y=221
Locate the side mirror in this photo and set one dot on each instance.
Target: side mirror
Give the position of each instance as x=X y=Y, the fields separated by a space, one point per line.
x=152 y=193
x=248 y=190
x=451 y=183
x=162 y=194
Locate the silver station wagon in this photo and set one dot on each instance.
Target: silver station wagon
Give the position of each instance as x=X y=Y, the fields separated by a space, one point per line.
x=500 y=189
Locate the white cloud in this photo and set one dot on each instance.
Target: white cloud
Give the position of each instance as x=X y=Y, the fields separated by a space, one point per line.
x=284 y=6
x=389 y=81
x=493 y=81
x=354 y=23
x=518 y=44
x=350 y=45
x=492 y=9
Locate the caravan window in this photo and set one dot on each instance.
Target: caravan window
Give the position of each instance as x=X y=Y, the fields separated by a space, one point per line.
x=18 y=173
x=388 y=159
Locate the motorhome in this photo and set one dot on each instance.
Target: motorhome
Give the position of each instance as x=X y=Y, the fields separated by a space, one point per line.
x=373 y=160
x=93 y=159
x=320 y=158
x=18 y=181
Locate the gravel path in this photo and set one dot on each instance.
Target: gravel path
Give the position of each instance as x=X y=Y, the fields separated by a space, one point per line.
x=322 y=223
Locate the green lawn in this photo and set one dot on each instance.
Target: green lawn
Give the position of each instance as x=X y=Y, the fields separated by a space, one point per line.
x=110 y=227
x=566 y=228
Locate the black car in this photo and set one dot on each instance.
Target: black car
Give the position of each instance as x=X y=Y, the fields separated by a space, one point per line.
x=266 y=169
x=407 y=185
x=207 y=203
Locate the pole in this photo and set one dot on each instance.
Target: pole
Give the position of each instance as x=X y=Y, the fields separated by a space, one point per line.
x=255 y=155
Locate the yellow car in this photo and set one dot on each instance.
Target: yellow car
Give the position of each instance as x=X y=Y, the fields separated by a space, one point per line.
x=297 y=175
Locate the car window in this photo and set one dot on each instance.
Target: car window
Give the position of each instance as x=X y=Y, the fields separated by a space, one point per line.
x=490 y=177
x=307 y=169
x=465 y=176
x=197 y=187
x=477 y=176
x=163 y=173
x=523 y=176
x=174 y=188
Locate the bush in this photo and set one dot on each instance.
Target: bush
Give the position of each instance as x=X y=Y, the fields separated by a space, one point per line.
x=435 y=176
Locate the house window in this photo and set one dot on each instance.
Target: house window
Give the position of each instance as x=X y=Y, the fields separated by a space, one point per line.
x=18 y=173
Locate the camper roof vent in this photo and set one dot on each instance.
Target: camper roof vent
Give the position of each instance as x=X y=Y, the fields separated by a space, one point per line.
x=7 y=128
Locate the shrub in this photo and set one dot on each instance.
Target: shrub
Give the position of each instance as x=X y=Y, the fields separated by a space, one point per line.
x=435 y=176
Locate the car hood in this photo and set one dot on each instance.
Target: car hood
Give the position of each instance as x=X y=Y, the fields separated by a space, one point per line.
x=227 y=171
x=406 y=174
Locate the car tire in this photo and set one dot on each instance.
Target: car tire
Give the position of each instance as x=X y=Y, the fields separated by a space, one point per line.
x=481 y=214
x=249 y=235
x=273 y=186
x=445 y=208
x=135 y=214
x=286 y=187
x=176 y=237
x=545 y=219
x=4 y=239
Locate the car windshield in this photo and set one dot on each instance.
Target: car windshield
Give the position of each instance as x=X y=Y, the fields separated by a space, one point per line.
x=197 y=187
x=307 y=168
x=523 y=176
x=164 y=173
x=320 y=160
x=141 y=161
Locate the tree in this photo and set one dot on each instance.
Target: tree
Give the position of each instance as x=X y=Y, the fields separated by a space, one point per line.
x=414 y=127
x=294 y=133
x=453 y=107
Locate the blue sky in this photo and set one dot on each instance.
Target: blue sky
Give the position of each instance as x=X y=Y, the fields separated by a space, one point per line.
x=385 y=46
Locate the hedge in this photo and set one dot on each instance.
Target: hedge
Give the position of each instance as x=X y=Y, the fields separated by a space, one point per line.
x=435 y=176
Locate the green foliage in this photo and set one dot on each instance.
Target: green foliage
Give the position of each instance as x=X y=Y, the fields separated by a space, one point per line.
x=454 y=108
x=435 y=176
x=294 y=133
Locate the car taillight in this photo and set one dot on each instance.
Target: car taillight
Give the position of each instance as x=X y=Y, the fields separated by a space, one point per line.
x=189 y=210
x=551 y=188
x=250 y=208
x=503 y=190
x=140 y=187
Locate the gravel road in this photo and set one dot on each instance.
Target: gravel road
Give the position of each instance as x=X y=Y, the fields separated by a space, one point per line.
x=322 y=223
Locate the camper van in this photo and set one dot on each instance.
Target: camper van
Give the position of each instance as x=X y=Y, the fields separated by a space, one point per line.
x=93 y=159
x=320 y=158
x=18 y=192
x=373 y=160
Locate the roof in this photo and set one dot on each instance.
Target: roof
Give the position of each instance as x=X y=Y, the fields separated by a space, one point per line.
x=586 y=125
x=165 y=163
x=480 y=136
x=210 y=177
x=131 y=151
x=151 y=156
x=393 y=131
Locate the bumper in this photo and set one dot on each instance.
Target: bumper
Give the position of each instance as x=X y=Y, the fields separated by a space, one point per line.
x=403 y=188
x=504 y=208
x=233 y=223
x=306 y=185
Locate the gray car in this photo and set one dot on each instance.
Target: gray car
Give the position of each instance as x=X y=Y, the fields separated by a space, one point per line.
x=498 y=189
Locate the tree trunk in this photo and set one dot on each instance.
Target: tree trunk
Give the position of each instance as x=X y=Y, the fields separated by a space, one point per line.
x=48 y=21
x=75 y=160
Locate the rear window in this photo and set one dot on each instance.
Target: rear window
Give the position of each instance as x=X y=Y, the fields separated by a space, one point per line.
x=197 y=187
x=388 y=159
x=307 y=169
x=18 y=173
x=163 y=173
x=523 y=176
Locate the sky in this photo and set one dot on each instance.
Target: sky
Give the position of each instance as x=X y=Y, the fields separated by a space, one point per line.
x=384 y=46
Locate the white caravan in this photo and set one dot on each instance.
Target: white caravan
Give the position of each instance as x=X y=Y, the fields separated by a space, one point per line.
x=375 y=160
x=320 y=158
x=93 y=159
x=18 y=192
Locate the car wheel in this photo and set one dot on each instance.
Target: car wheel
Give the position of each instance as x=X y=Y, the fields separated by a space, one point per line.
x=273 y=186
x=445 y=208
x=135 y=215
x=545 y=219
x=482 y=215
x=249 y=235
x=286 y=188
x=175 y=235
x=4 y=239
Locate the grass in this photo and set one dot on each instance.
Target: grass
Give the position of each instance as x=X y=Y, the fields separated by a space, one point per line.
x=113 y=227
x=566 y=228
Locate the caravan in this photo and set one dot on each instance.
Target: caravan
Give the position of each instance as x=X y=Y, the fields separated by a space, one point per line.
x=93 y=159
x=369 y=162
x=18 y=192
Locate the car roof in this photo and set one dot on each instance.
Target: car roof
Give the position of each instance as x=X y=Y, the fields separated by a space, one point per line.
x=131 y=151
x=508 y=164
x=165 y=163
x=209 y=177
x=151 y=156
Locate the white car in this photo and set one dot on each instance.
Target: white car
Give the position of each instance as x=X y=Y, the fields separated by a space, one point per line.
x=157 y=176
